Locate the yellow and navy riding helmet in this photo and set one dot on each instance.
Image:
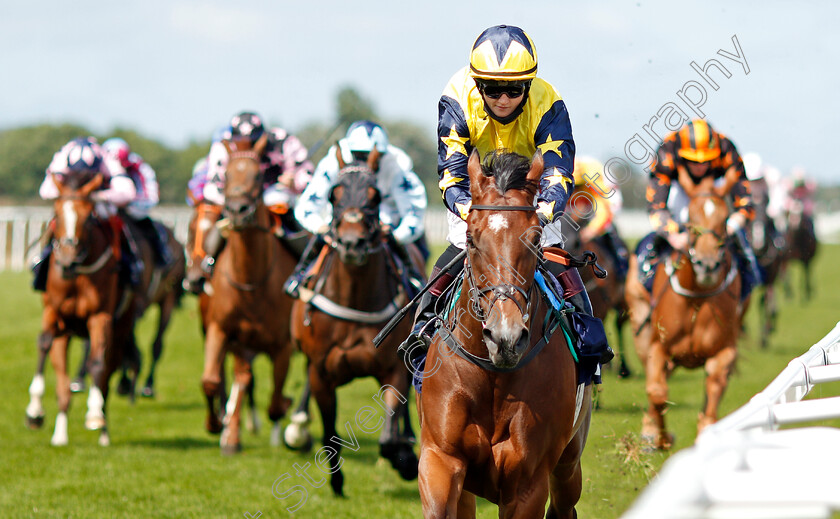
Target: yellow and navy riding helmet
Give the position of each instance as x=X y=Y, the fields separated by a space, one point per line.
x=586 y=168
x=503 y=53
x=698 y=142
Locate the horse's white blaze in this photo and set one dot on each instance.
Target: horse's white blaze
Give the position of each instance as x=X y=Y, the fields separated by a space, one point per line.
x=36 y=392
x=69 y=219
x=497 y=222
x=709 y=208
x=59 y=437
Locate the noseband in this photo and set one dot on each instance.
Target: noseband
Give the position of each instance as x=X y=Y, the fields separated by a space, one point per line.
x=501 y=291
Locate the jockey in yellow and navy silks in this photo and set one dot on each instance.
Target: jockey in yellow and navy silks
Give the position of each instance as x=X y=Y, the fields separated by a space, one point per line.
x=497 y=103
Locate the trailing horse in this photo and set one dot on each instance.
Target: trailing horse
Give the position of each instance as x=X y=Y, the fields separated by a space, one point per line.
x=693 y=316
x=359 y=287
x=82 y=298
x=248 y=311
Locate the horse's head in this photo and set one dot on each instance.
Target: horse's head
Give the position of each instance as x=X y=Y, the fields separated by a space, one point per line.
x=502 y=237
x=707 y=214
x=74 y=217
x=355 y=227
x=243 y=181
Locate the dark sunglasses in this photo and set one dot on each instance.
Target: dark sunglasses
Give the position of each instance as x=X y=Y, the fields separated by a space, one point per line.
x=512 y=90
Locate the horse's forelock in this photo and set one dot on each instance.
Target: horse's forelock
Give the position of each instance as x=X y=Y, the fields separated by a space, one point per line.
x=355 y=179
x=77 y=180
x=510 y=171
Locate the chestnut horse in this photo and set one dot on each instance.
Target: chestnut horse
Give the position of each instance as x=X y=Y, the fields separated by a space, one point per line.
x=694 y=315
x=493 y=424
x=81 y=298
x=248 y=311
x=159 y=286
x=334 y=321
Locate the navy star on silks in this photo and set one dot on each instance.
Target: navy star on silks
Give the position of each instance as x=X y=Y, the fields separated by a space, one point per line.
x=501 y=38
x=406 y=184
x=314 y=197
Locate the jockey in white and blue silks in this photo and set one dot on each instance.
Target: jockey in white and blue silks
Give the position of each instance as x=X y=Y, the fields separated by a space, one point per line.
x=403 y=205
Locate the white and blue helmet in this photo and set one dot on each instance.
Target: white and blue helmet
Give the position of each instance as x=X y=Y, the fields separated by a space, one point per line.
x=82 y=155
x=364 y=136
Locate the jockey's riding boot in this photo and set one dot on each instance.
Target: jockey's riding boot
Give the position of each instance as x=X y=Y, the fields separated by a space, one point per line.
x=426 y=318
x=618 y=250
x=131 y=265
x=415 y=277
x=747 y=264
x=579 y=298
x=313 y=248
x=159 y=239
x=41 y=267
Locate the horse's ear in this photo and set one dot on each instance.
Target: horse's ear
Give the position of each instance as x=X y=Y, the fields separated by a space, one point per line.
x=259 y=146
x=373 y=160
x=338 y=157
x=58 y=184
x=478 y=180
x=91 y=186
x=729 y=179
x=537 y=166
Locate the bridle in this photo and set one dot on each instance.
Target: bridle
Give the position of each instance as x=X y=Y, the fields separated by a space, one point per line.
x=75 y=266
x=355 y=211
x=252 y=195
x=501 y=291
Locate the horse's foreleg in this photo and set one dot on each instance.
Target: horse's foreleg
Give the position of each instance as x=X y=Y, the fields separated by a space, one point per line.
x=166 y=308
x=279 y=403
x=397 y=449
x=653 y=422
x=621 y=318
x=58 y=359
x=441 y=483
x=211 y=378
x=297 y=435
x=253 y=423
x=77 y=385
x=35 y=409
x=101 y=331
x=230 y=441
x=718 y=369
x=325 y=396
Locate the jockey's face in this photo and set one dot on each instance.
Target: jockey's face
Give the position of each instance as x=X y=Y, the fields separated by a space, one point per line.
x=504 y=105
x=697 y=169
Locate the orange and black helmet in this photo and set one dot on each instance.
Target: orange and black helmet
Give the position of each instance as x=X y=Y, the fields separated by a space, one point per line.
x=698 y=142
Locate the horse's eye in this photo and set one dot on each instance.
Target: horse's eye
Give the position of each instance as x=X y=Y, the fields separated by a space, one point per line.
x=470 y=242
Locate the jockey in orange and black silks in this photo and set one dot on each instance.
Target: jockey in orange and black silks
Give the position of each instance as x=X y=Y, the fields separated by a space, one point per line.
x=503 y=62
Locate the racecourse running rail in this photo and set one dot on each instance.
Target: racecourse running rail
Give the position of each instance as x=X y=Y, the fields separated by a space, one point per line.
x=745 y=467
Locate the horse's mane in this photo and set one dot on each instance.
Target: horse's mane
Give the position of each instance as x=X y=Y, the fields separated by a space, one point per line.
x=510 y=171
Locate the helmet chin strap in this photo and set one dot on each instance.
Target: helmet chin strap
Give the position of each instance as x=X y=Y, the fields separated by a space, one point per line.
x=510 y=118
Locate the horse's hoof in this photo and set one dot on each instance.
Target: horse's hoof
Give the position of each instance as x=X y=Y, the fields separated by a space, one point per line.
x=147 y=392
x=213 y=427
x=402 y=459
x=337 y=484
x=58 y=441
x=34 y=422
x=124 y=387
x=297 y=438
x=78 y=386
x=230 y=450
x=94 y=423
x=624 y=372
x=104 y=439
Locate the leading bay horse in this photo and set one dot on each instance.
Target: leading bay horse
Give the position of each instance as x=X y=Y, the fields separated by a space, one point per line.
x=508 y=430
x=694 y=315
x=335 y=320
x=81 y=298
x=248 y=311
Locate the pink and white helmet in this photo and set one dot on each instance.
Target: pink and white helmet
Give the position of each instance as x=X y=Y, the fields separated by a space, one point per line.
x=118 y=149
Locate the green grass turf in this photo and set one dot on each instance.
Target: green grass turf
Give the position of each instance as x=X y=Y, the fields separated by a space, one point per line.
x=162 y=464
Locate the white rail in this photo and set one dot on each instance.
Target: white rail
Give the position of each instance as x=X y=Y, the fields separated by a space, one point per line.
x=744 y=466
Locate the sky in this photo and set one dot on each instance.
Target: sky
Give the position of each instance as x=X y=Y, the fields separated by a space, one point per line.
x=178 y=69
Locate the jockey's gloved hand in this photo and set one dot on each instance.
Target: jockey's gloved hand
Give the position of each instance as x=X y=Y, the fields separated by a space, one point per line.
x=735 y=223
x=543 y=219
x=678 y=240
